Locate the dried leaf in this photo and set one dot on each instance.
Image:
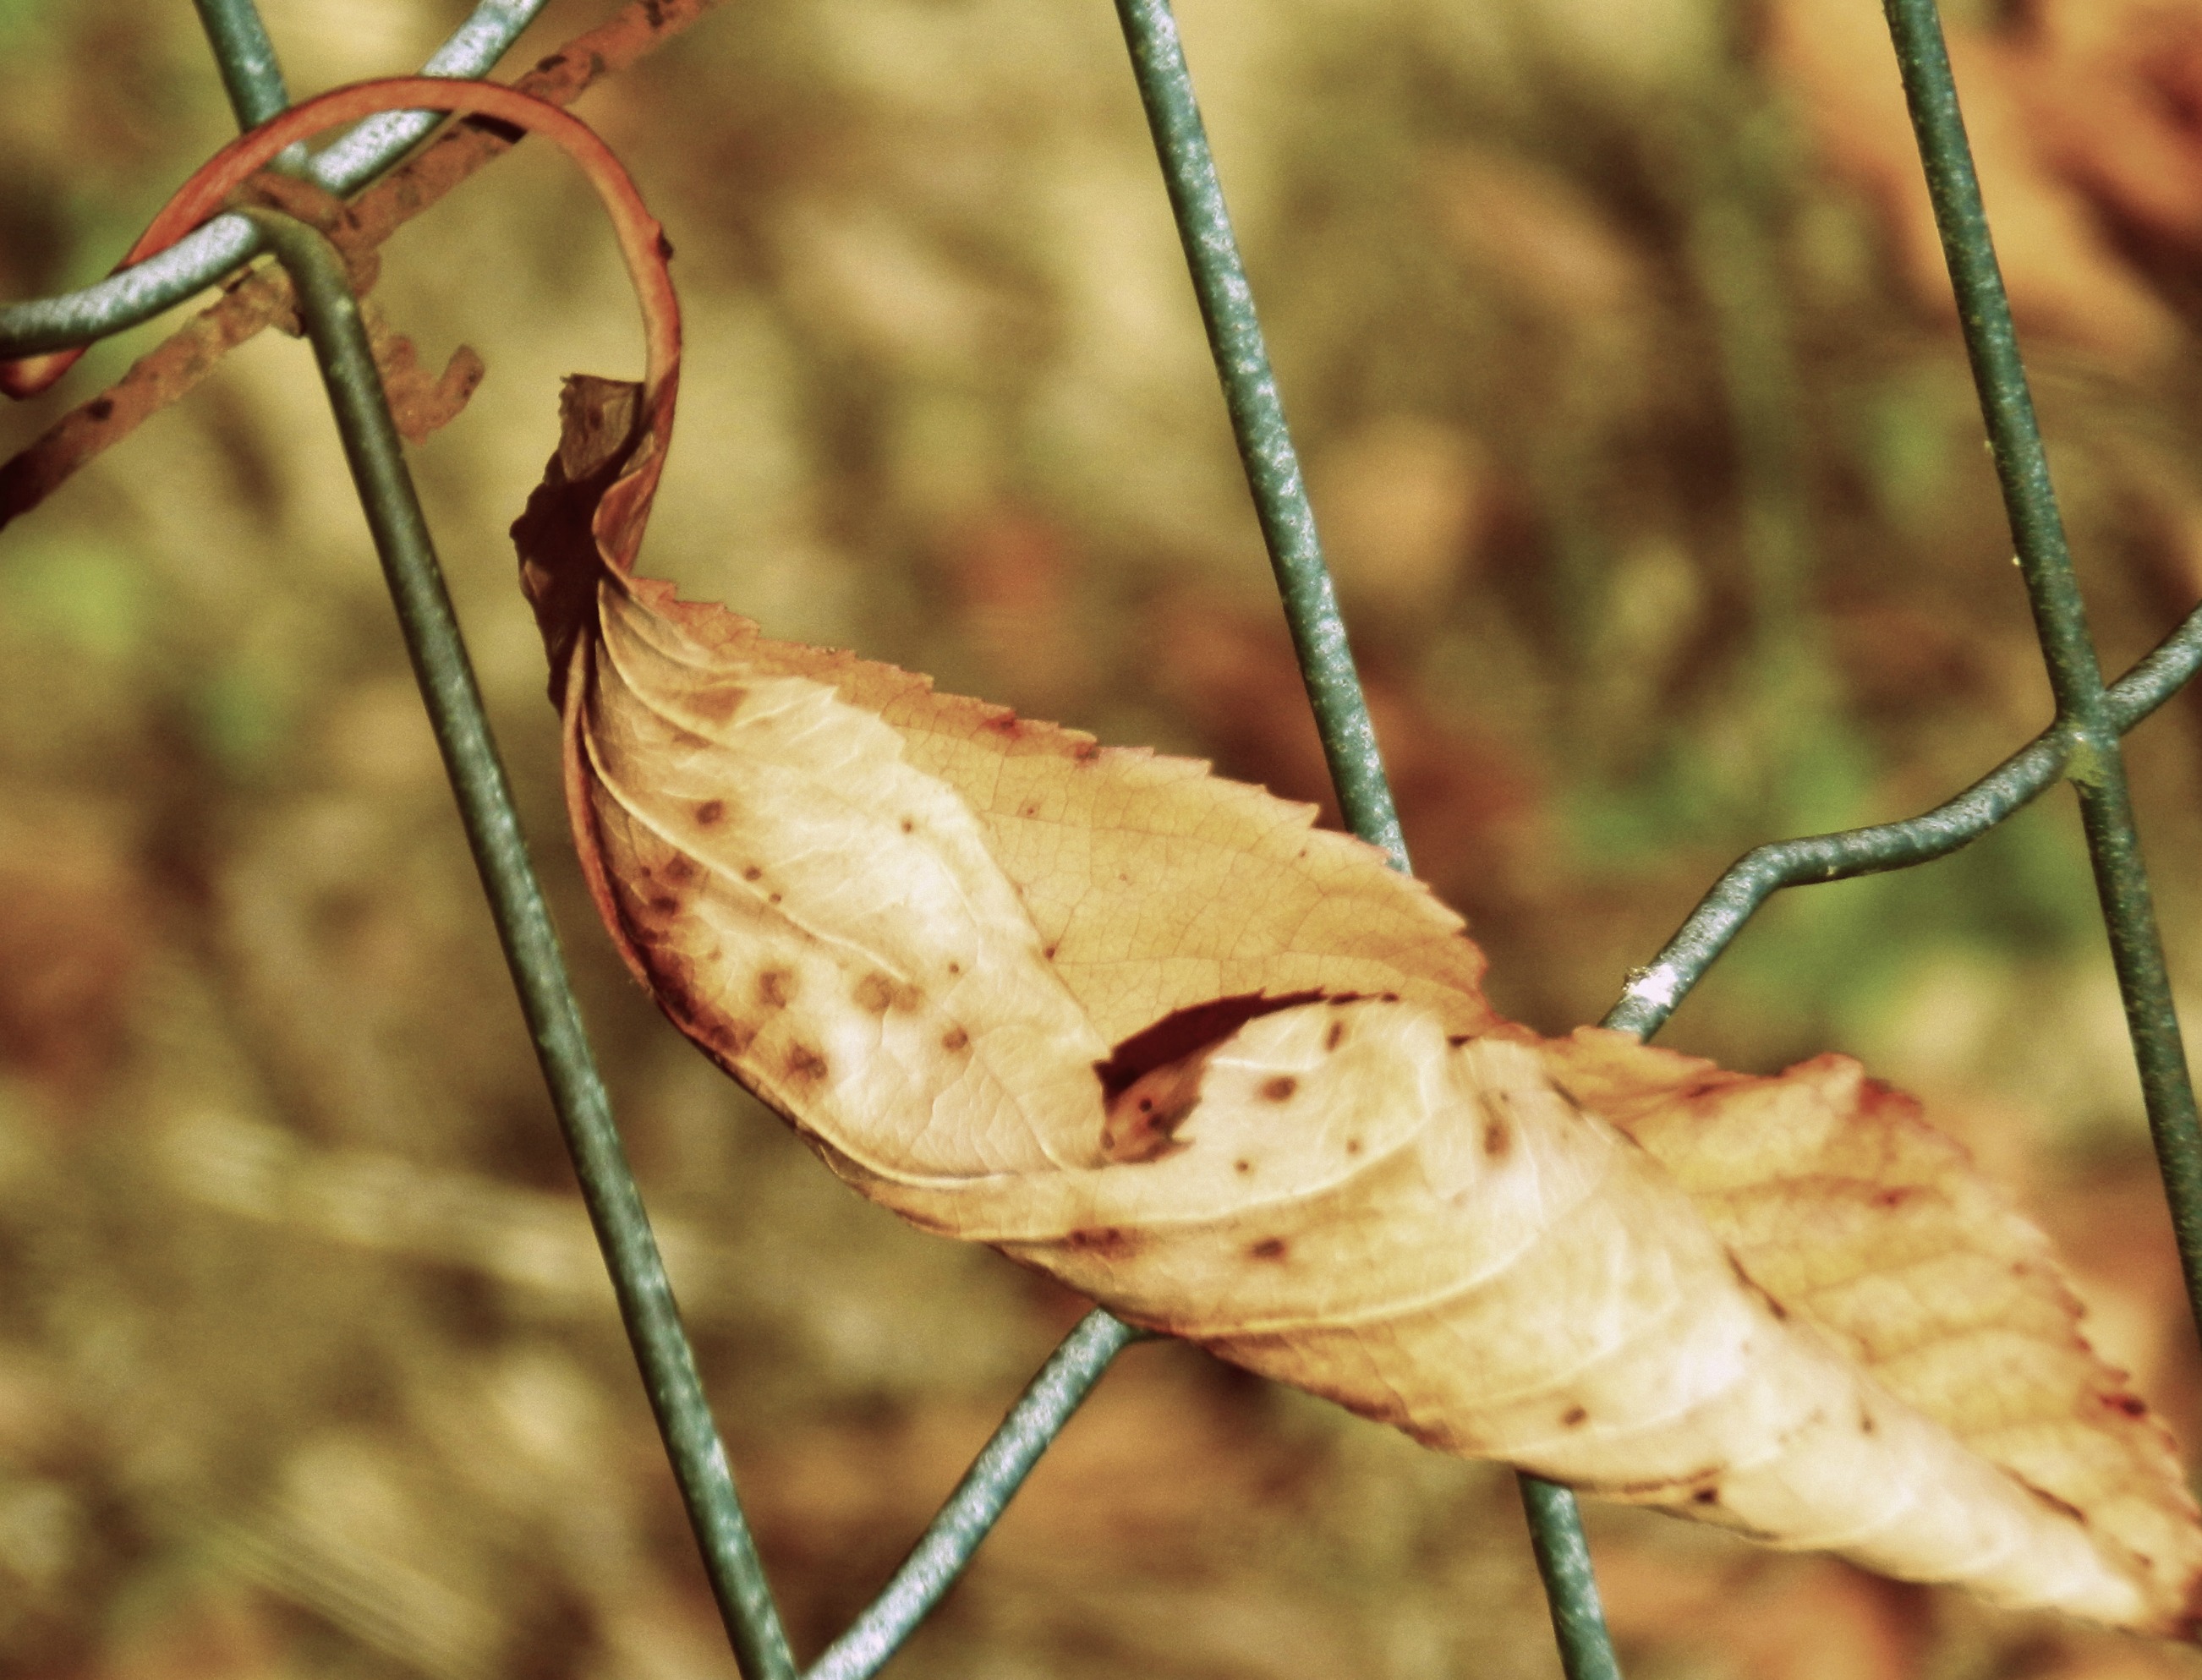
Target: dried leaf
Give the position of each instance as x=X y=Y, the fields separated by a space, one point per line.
x=1151 y=1032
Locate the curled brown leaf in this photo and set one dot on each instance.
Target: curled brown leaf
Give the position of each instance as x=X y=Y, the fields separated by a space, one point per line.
x=1153 y=1033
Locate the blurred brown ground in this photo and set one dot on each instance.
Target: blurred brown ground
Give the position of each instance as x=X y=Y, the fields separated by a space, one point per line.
x=1616 y=343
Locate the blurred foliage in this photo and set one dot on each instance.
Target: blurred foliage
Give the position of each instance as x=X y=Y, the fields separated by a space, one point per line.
x=1636 y=419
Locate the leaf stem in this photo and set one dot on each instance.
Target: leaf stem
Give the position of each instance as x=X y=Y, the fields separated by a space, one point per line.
x=137 y=291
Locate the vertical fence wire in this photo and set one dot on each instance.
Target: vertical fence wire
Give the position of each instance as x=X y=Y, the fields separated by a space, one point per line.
x=2096 y=763
x=1257 y=422
x=531 y=945
x=439 y=653
x=1318 y=630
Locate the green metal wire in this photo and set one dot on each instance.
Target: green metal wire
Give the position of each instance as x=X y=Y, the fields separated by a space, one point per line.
x=1556 y=1537
x=1656 y=989
x=137 y=294
x=531 y=944
x=978 y=1501
x=1258 y=420
x=1310 y=603
x=2095 y=764
x=246 y=57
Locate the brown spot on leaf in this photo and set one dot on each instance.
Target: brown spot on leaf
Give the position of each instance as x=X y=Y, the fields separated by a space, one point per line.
x=955 y=1040
x=1573 y=1417
x=881 y=992
x=1895 y=1196
x=1086 y=751
x=1242 y=1165
x=909 y=825
x=775 y=987
x=680 y=871
x=673 y=979
x=1335 y=1037
x=805 y=1065
x=1352 y=1146
x=718 y=702
x=1280 y=1089
x=2132 y=1404
x=1268 y=1248
x=1498 y=1138
x=732 y=1038
x=1705 y=1496
x=751 y=872
x=709 y=812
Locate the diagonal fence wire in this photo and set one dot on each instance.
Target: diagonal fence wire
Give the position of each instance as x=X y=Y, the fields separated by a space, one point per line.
x=1318 y=630
x=373 y=451
x=978 y=1501
x=1655 y=989
x=439 y=653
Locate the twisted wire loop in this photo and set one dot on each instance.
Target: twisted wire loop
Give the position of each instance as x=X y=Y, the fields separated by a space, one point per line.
x=254 y=84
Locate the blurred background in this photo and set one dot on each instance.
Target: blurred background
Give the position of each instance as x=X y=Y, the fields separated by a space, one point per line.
x=1615 y=342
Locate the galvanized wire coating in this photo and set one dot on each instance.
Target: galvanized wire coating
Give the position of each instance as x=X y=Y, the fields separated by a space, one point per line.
x=531 y=944
x=139 y=293
x=246 y=58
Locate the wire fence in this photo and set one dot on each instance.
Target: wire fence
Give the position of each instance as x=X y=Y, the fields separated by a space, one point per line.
x=2082 y=746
